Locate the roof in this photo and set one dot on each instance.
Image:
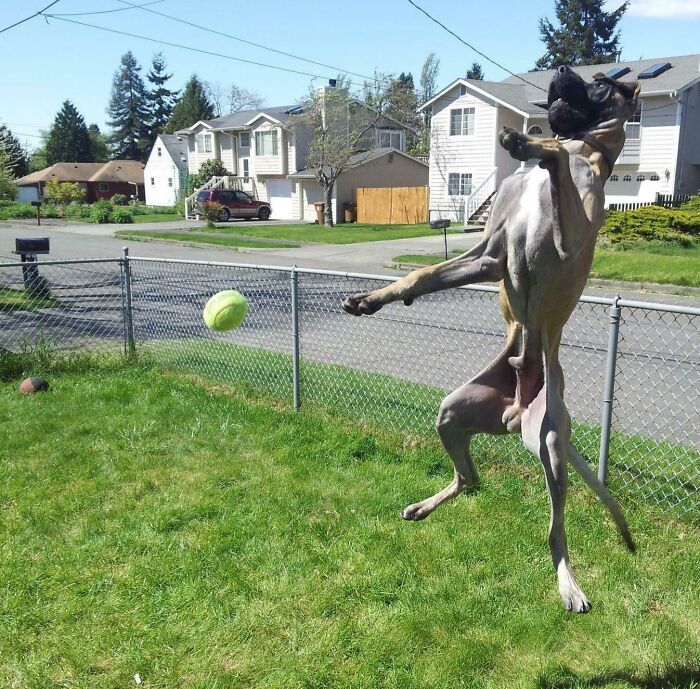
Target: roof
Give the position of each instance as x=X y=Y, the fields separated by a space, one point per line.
x=177 y=148
x=114 y=171
x=361 y=158
x=527 y=98
x=238 y=120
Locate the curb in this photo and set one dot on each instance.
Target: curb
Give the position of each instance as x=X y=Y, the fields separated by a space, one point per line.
x=649 y=287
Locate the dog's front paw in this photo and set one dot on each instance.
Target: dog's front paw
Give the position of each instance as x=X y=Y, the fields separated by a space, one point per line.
x=361 y=304
x=515 y=143
x=575 y=600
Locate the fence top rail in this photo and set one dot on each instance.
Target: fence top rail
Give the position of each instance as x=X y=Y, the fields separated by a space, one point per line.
x=585 y=299
x=62 y=262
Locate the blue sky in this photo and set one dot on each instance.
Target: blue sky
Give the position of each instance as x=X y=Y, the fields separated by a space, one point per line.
x=47 y=62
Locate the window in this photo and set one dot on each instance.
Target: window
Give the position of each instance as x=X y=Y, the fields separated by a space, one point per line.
x=627 y=178
x=153 y=182
x=614 y=178
x=389 y=138
x=459 y=183
x=462 y=90
x=242 y=196
x=654 y=177
x=160 y=151
x=246 y=169
x=633 y=128
x=245 y=139
x=104 y=186
x=228 y=196
x=203 y=143
x=641 y=178
x=462 y=122
x=535 y=130
x=170 y=181
x=266 y=143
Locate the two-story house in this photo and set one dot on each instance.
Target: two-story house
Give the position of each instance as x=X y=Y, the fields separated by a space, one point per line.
x=268 y=157
x=166 y=170
x=661 y=154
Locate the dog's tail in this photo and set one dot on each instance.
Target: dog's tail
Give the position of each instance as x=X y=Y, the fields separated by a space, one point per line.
x=598 y=487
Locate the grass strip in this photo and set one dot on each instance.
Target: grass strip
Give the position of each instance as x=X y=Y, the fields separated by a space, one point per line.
x=200 y=238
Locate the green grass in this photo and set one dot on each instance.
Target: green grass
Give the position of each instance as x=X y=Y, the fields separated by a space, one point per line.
x=157 y=217
x=199 y=237
x=638 y=262
x=18 y=299
x=350 y=233
x=204 y=539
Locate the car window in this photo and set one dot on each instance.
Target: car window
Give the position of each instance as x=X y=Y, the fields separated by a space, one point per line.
x=242 y=196
x=227 y=196
x=203 y=196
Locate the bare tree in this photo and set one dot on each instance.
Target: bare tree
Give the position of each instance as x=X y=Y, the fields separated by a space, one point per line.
x=216 y=93
x=339 y=125
x=243 y=99
x=428 y=84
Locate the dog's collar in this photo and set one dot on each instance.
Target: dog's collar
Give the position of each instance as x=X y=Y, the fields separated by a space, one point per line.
x=588 y=139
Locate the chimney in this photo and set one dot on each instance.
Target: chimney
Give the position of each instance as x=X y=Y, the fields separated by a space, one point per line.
x=332 y=83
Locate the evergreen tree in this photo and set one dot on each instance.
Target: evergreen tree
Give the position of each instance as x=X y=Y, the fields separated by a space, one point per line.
x=68 y=139
x=128 y=108
x=161 y=99
x=475 y=71
x=193 y=105
x=585 y=35
x=401 y=100
x=100 y=149
x=13 y=155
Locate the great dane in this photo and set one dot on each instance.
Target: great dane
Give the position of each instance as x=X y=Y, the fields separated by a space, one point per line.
x=539 y=245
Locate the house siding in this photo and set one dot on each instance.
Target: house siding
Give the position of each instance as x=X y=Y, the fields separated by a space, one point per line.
x=688 y=168
x=474 y=154
x=161 y=169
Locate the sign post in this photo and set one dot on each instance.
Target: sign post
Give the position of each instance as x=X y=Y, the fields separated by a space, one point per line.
x=441 y=225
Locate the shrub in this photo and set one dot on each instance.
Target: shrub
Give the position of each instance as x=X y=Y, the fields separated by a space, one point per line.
x=120 y=200
x=692 y=205
x=14 y=210
x=101 y=211
x=122 y=215
x=652 y=223
x=211 y=210
x=62 y=193
x=208 y=169
x=76 y=210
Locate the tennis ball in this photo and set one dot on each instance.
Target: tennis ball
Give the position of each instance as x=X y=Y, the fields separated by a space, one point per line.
x=225 y=310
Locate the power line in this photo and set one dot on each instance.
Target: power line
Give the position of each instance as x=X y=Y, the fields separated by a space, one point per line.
x=118 y=9
x=476 y=50
x=31 y=16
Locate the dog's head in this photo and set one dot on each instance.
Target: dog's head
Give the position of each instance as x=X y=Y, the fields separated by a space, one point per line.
x=576 y=106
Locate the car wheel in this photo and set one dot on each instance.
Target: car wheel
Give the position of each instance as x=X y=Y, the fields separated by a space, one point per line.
x=224 y=215
x=263 y=214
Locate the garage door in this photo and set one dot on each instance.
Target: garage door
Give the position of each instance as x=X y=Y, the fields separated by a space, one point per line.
x=312 y=194
x=279 y=193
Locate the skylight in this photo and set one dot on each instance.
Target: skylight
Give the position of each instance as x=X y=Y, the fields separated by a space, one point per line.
x=654 y=70
x=617 y=72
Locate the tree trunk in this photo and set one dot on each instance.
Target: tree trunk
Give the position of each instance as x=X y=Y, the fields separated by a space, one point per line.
x=328 y=210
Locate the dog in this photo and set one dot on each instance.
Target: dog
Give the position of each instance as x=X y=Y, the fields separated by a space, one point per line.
x=538 y=245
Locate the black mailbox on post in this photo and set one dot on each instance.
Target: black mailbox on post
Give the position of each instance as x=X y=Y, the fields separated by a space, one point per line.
x=441 y=224
x=28 y=249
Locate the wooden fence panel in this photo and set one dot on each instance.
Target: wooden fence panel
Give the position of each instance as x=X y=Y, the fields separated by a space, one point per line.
x=392 y=205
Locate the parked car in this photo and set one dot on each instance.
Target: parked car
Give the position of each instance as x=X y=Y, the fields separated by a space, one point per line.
x=236 y=204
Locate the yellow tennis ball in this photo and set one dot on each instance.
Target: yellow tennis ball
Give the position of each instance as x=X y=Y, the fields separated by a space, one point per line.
x=225 y=310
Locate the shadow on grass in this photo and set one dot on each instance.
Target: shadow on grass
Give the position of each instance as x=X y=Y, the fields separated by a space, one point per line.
x=674 y=678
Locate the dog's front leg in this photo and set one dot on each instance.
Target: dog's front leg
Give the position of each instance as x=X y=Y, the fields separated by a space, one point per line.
x=484 y=263
x=577 y=219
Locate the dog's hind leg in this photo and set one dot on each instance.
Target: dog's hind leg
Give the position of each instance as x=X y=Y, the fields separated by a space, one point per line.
x=476 y=407
x=546 y=432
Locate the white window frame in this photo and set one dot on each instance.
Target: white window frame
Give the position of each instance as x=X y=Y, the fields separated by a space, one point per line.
x=245 y=165
x=247 y=135
x=103 y=187
x=633 y=126
x=170 y=181
x=260 y=146
x=393 y=134
x=153 y=181
x=460 y=183
x=459 y=123
x=203 y=142
x=159 y=151
x=531 y=131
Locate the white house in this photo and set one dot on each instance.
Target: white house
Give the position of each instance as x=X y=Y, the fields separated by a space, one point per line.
x=166 y=170
x=265 y=157
x=661 y=154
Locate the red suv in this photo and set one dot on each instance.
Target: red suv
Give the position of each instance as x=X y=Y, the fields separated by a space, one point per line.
x=235 y=204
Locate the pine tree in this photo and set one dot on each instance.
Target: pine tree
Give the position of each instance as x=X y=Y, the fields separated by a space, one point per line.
x=401 y=100
x=192 y=106
x=475 y=71
x=68 y=139
x=100 y=149
x=13 y=155
x=128 y=108
x=161 y=99
x=586 y=34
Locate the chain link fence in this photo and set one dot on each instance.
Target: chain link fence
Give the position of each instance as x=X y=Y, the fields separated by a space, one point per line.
x=634 y=365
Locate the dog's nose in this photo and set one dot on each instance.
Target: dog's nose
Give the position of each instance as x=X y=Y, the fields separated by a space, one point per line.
x=564 y=69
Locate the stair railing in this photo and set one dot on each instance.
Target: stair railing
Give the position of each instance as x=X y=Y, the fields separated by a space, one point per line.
x=476 y=199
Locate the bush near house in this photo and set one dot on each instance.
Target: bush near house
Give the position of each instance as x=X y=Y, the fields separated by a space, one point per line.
x=101 y=212
x=120 y=200
x=680 y=226
x=122 y=215
x=211 y=210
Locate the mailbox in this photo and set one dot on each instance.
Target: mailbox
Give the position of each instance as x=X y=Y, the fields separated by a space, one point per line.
x=36 y=204
x=28 y=248
x=439 y=224
x=31 y=245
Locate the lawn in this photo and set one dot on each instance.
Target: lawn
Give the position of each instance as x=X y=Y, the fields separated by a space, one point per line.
x=638 y=262
x=349 y=233
x=200 y=237
x=157 y=217
x=15 y=299
x=205 y=537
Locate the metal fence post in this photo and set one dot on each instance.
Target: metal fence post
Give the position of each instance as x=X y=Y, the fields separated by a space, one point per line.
x=128 y=312
x=295 y=338
x=609 y=392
